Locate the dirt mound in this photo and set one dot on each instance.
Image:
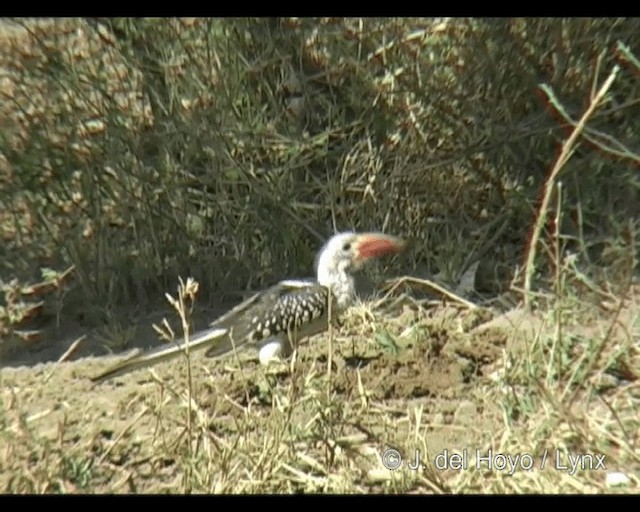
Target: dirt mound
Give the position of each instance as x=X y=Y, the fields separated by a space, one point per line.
x=399 y=382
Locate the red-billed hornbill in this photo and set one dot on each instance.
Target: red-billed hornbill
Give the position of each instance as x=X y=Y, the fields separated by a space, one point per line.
x=276 y=319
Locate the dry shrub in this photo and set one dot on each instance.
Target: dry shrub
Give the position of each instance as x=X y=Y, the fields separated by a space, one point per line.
x=140 y=149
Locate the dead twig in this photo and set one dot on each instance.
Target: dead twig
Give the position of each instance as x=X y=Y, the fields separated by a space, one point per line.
x=565 y=153
x=395 y=283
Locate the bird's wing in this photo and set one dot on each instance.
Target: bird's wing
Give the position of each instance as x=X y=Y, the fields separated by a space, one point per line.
x=274 y=313
x=260 y=298
x=234 y=329
x=166 y=351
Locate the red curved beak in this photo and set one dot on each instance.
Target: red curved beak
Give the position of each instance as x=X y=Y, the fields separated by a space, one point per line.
x=376 y=245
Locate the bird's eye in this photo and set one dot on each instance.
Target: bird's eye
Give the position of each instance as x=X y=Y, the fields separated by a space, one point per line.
x=347 y=246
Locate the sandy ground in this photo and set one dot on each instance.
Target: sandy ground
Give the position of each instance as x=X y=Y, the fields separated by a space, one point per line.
x=279 y=432
x=435 y=371
x=127 y=435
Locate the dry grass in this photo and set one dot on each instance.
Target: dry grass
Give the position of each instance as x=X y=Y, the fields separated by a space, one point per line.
x=138 y=151
x=231 y=428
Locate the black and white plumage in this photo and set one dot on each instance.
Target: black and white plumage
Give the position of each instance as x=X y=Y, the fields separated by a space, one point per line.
x=276 y=319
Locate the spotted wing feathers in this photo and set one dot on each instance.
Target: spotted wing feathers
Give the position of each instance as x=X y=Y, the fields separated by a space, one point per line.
x=288 y=309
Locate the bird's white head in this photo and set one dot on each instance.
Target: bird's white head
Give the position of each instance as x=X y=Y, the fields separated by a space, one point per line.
x=346 y=253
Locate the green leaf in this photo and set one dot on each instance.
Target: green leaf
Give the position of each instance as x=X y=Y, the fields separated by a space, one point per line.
x=386 y=341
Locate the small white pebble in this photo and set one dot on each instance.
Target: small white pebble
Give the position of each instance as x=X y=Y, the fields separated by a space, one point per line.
x=408 y=331
x=497 y=376
x=438 y=419
x=616 y=479
x=377 y=475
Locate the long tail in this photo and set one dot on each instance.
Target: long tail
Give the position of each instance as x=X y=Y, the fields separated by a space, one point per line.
x=199 y=341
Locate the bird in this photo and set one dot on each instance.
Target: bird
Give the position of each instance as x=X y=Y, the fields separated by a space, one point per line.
x=276 y=319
